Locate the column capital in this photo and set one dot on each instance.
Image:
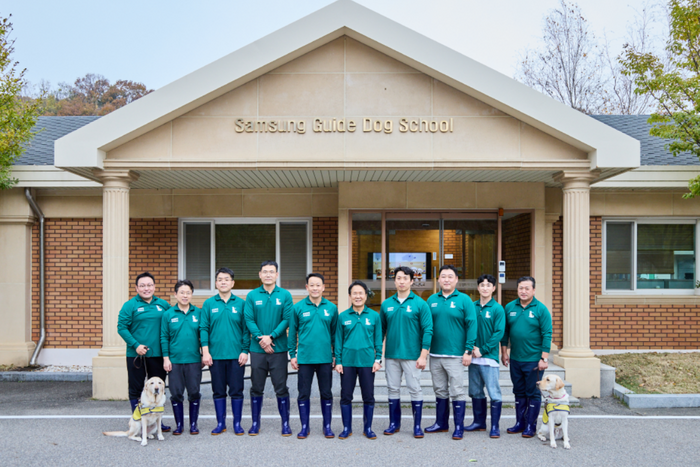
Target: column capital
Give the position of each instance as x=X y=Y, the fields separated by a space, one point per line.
x=576 y=179
x=551 y=217
x=116 y=178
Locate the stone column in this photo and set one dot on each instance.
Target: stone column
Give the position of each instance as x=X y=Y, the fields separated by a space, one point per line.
x=582 y=368
x=344 y=223
x=16 y=220
x=109 y=379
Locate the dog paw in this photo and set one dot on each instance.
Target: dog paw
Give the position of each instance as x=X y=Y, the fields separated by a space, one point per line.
x=150 y=436
x=567 y=445
x=161 y=438
x=553 y=444
x=542 y=437
x=144 y=443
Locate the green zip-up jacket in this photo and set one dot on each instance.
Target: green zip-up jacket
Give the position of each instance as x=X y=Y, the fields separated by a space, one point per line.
x=315 y=328
x=491 y=321
x=267 y=314
x=358 y=338
x=407 y=326
x=529 y=330
x=454 y=323
x=139 y=324
x=179 y=335
x=222 y=328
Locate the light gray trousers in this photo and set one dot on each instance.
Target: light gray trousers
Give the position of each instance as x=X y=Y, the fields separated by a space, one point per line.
x=394 y=369
x=448 y=378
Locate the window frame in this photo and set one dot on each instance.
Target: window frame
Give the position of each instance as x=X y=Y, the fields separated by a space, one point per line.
x=213 y=221
x=635 y=221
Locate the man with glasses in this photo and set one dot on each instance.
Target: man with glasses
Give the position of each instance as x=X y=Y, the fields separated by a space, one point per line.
x=139 y=326
x=267 y=312
x=408 y=328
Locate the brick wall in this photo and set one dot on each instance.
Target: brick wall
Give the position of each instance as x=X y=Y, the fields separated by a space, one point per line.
x=517 y=245
x=73 y=283
x=153 y=248
x=558 y=283
x=626 y=326
x=325 y=253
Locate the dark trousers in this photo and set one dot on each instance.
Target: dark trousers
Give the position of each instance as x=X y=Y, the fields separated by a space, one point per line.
x=324 y=376
x=227 y=373
x=525 y=376
x=348 y=380
x=185 y=376
x=139 y=370
x=273 y=364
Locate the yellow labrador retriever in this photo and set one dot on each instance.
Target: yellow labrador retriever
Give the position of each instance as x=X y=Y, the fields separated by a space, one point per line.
x=555 y=420
x=145 y=421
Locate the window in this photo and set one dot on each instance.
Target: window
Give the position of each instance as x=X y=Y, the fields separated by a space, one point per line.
x=242 y=244
x=648 y=255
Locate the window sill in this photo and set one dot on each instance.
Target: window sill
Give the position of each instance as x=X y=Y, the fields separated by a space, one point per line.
x=634 y=299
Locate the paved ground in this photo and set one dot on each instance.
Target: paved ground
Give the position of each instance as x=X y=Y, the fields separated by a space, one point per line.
x=603 y=432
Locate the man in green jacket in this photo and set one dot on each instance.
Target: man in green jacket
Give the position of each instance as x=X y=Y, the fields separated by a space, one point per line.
x=408 y=328
x=312 y=331
x=179 y=340
x=529 y=330
x=454 y=334
x=139 y=326
x=267 y=312
x=485 y=370
x=225 y=346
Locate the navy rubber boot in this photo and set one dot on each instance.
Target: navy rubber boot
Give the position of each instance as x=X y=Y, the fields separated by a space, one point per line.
x=417 y=407
x=303 y=418
x=237 y=409
x=495 y=418
x=194 y=415
x=283 y=408
x=533 y=412
x=394 y=417
x=255 y=408
x=327 y=411
x=479 y=409
x=458 y=407
x=367 y=416
x=220 y=409
x=346 y=414
x=179 y=417
x=520 y=414
x=442 y=416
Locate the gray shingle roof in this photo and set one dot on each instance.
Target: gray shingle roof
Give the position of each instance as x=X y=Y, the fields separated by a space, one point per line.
x=40 y=149
x=653 y=151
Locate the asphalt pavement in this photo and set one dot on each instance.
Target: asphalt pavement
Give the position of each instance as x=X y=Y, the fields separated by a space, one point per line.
x=57 y=423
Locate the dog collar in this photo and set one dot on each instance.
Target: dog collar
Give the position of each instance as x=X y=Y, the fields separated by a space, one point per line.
x=139 y=411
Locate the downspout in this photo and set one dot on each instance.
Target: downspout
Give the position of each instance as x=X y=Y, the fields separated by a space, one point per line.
x=42 y=298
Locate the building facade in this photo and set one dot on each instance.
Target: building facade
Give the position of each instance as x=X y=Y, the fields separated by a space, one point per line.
x=348 y=144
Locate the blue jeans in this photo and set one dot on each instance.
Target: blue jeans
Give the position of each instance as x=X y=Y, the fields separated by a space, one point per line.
x=525 y=376
x=481 y=376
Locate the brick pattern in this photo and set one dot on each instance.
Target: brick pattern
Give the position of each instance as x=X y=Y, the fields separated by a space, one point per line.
x=325 y=253
x=626 y=326
x=517 y=245
x=73 y=283
x=153 y=248
x=558 y=282
x=456 y=244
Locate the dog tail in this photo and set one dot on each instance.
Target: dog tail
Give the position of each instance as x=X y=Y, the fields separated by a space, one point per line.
x=121 y=434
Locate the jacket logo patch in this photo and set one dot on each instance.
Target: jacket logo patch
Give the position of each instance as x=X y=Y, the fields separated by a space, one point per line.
x=308 y=313
x=408 y=309
x=159 y=308
x=367 y=322
x=278 y=302
x=325 y=312
x=347 y=323
x=215 y=310
x=194 y=319
x=452 y=305
x=233 y=309
x=258 y=302
x=487 y=315
x=513 y=313
x=433 y=305
x=391 y=308
x=531 y=315
x=141 y=309
x=175 y=320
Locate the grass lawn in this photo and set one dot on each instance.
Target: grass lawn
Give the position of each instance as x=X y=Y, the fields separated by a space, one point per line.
x=657 y=373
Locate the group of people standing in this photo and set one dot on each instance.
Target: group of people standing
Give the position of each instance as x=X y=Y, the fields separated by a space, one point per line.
x=177 y=341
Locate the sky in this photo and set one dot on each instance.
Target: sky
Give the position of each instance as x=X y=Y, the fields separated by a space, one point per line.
x=156 y=42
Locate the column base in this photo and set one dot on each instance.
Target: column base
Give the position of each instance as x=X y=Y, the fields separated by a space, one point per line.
x=109 y=378
x=16 y=353
x=582 y=373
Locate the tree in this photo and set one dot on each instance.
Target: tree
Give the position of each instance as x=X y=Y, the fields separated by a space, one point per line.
x=673 y=83
x=569 y=67
x=90 y=95
x=17 y=116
